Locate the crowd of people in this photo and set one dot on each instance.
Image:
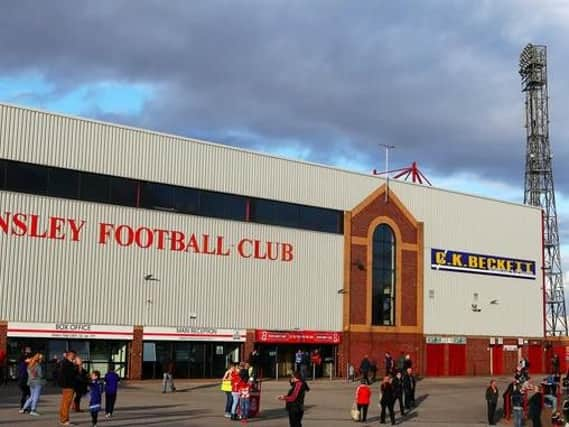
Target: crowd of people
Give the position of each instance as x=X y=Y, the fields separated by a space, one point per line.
x=525 y=398
x=398 y=386
x=75 y=383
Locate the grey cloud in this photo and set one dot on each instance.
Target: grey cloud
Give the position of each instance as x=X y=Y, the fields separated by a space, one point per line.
x=437 y=79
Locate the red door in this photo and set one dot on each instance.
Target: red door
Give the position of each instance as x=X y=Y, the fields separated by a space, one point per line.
x=498 y=360
x=535 y=356
x=435 y=359
x=456 y=359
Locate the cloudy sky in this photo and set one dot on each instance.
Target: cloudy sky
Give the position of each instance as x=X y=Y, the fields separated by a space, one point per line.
x=326 y=81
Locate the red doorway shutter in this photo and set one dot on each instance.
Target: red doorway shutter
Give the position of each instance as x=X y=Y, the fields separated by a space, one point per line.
x=498 y=360
x=435 y=359
x=535 y=356
x=456 y=359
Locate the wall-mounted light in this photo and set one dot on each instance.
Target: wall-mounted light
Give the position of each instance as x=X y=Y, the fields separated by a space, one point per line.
x=342 y=291
x=151 y=278
x=359 y=265
x=193 y=316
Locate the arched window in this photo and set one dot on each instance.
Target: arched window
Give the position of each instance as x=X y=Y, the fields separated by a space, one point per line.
x=383 y=276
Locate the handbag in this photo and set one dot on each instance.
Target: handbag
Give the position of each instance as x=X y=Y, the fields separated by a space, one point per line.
x=355 y=413
x=226 y=385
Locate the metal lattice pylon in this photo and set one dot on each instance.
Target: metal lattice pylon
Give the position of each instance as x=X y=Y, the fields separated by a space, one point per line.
x=539 y=189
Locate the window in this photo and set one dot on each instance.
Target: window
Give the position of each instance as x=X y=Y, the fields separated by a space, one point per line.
x=274 y=213
x=94 y=188
x=26 y=178
x=123 y=191
x=186 y=200
x=319 y=219
x=157 y=196
x=2 y=174
x=221 y=205
x=383 y=276
x=63 y=183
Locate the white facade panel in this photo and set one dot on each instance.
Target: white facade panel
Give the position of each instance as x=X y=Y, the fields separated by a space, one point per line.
x=55 y=140
x=457 y=222
x=86 y=281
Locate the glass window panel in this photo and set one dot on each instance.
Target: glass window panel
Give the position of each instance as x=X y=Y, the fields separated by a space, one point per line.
x=383 y=276
x=157 y=196
x=123 y=191
x=63 y=183
x=26 y=178
x=94 y=188
x=2 y=174
x=186 y=200
x=220 y=205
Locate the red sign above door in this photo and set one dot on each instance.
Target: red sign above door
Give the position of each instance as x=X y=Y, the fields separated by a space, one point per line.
x=297 y=337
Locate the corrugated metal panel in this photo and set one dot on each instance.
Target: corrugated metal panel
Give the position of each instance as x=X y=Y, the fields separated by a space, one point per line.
x=60 y=280
x=455 y=222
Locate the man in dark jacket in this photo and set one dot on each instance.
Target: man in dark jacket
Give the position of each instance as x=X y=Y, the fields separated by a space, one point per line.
x=22 y=371
x=295 y=400
x=398 y=391
x=535 y=407
x=66 y=380
x=409 y=388
x=389 y=363
x=365 y=367
x=386 y=401
x=492 y=401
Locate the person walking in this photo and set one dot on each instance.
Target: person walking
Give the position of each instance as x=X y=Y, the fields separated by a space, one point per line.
x=409 y=384
x=22 y=377
x=36 y=380
x=81 y=385
x=66 y=380
x=235 y=386
x=535 y=406
x=517 y=399
x=555 y=364
x=492 y=402
x=365 y=366
x=168 y=377
x=398 y=392
x=386 y=401
x=111 y=388
x=95 y=396
x=363 y=397
x=295 y=400
x=388 y=363
x=228 y=397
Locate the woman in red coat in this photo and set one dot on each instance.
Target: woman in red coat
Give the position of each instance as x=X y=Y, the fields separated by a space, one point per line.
x=363 y=397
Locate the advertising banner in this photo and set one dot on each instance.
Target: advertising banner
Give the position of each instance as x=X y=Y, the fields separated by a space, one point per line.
x=297 y=337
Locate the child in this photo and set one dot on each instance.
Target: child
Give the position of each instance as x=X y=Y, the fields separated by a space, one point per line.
x=363 y=396
x=96 y=392
x=351 y=373
x=244 y=396
x=111 y=387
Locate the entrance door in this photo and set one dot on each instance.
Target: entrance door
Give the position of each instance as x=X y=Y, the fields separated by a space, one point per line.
x=456 y=359
x=535 y=356
x=435 y=359
x=498 y=360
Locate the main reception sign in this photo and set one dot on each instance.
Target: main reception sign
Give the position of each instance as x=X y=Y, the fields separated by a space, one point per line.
x=466 y=262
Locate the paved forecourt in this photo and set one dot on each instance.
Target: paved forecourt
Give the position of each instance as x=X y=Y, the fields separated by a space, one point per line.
x=442 y=402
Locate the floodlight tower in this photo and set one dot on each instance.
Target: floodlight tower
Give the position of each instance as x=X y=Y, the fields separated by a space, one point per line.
x=539 y=190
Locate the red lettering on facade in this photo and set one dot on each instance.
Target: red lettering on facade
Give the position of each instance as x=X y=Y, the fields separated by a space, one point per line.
x=124 y=235
x=177 y=241
x=104 y=232
x=161 y=237
x=219 y=247
x=4 y=222
x=258 y=254
x=287 y=254
x=206 y=248
x=19 y=221
x=272 y=251
x=34 y=225
x=193 y=244
x=55 y=225
x=144 y=237
x=241 y=248
x=76 y=228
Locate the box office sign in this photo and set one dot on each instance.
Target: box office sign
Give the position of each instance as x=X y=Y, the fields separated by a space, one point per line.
x=70 y=330
x=297 y=337
x=190 y=333
x=492 y=265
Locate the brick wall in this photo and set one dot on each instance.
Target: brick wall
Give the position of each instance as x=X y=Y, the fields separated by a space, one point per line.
x=3 y=336
x=409 y=284
x=136 y=349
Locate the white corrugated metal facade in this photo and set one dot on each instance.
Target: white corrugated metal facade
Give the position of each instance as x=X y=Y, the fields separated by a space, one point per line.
x=88 y=282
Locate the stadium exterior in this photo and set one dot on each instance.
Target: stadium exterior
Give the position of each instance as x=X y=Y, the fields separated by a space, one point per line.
x=135 y=247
